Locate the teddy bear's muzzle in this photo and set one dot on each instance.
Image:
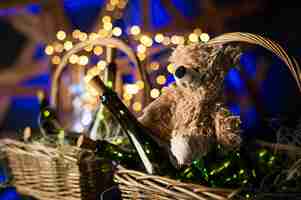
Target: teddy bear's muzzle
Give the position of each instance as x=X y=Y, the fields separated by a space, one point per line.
x=189 y=77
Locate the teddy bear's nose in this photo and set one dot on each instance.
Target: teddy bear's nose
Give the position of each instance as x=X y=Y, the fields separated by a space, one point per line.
x=180 y=72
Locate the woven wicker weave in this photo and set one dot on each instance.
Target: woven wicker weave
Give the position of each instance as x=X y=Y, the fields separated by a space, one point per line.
x=64 y=173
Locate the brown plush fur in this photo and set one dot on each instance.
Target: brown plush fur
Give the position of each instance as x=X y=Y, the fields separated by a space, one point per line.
x=192 y=117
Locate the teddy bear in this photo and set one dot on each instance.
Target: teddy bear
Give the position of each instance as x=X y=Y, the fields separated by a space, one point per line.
x=190 y=115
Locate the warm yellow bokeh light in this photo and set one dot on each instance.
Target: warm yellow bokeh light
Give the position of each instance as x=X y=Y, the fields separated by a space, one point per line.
x=159 y=37
x=94 y=71
x=114 y=2
x=82 y=37
x=127 y=96
x=101 y=64
x=140 y=84
x=73 y=59
x=93 y=36
x=117 y=31
x=49 y=50
x=56 y=60
x=193 y=37
x=98 y=50
x=58 y=47
x=83 y=60
x=141 y=56
x=89 y=48
x=141 y=48
x=161 y=80
x=76 y=33
x=170 y=68
x=155 y=93
x=155 y=65
x=135 y=30
x=110 y=7
x=204 y=37
x=103 y=33
x=137 y=106
x=60 y=35
x=108 y=26
x=68 y=45
x=146 y=40
x=106 y=19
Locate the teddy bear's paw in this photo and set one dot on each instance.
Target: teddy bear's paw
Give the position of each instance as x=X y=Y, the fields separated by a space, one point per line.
x=181 y=150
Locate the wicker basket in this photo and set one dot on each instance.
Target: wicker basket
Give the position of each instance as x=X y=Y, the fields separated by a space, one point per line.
x=63 y=173
x=71 y=173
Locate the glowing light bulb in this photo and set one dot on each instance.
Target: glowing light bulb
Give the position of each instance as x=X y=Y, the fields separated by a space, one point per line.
x=82 y=37
x=135 y=30
x=137 y=106
x=193 y=37
x=56 y=60
x=140 y=84
x=141 y=48
x=204 y=37
x=161 y=79
x=108 y=26
x=154 y=65
x=73 y=59
x=83 y=60
x=76 y=33
x=60 y=35
x=98 y=50
x=171 y=68
x=117 y=31
x=106 y=19
x=155 y=93
x=68 y=45
x=101 y=64
x=159 y=37
x=49 y=50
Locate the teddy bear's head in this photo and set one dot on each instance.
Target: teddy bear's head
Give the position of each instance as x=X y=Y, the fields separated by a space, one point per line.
x=199 y=66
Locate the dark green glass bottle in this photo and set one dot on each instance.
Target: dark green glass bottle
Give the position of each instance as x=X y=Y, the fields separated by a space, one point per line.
x=105 y=149
x=47 y=119
x=154 y=158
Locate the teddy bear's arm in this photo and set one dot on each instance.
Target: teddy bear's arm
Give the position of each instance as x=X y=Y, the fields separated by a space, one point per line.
x=157 y=116
x=227 y=128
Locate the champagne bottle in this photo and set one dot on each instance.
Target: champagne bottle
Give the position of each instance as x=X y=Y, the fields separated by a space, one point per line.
x=49 y=124
x=105 y=149
x=140 y=137
x=47 y=119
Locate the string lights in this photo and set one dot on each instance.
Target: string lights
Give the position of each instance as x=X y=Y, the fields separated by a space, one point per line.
x=144 y=42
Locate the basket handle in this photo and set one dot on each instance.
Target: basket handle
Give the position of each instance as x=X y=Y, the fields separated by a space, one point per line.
x=117 y=43
x=266 y=43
